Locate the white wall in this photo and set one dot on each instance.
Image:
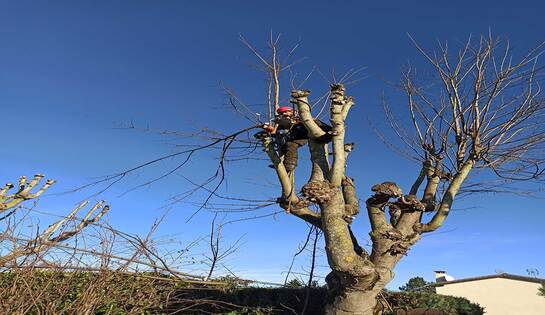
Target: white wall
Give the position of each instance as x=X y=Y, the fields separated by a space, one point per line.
x=500 y=296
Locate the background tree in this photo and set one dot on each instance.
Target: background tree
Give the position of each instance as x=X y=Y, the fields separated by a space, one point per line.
x=56 y=233
x=295 y=283
x=473 y=123
x=417 y=284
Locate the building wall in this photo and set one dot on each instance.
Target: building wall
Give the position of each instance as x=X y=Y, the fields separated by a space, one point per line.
x=500 y=296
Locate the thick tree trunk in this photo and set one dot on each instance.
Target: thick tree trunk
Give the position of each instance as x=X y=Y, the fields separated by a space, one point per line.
x=355 y=295
x=361 y=302
x=355 y=281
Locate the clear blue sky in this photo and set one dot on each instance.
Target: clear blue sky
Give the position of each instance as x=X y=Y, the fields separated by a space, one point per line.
x=72 y=71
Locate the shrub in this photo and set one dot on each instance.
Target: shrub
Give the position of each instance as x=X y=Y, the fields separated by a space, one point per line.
x=450 y=304
x=108 y=292
x=417 y=284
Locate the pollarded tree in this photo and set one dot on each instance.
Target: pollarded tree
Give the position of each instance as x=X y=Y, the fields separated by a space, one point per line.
x=480 y=113
x=485 y=113
x=11 y=201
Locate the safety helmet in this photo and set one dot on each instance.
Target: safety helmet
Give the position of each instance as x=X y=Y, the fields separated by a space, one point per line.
x=283 y=109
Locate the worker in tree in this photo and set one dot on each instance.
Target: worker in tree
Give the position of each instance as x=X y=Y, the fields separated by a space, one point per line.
x=289 y=134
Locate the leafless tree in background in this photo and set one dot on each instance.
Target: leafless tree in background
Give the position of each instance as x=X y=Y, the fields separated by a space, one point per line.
x=10 y=203
x=218 y=250
x=79 y=264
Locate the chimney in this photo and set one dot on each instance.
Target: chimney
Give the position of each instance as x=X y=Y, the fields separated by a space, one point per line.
x=441 y=276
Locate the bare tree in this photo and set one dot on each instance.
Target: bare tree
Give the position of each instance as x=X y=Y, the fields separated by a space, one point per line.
x=218 y=250
x=11 y=202
x=485 y=113
x=477 y=117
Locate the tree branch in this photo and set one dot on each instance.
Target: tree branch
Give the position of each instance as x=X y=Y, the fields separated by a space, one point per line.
x=319 y=158
x=289 y=200
x=340 y=104
x=448 y=198
x=300 y=99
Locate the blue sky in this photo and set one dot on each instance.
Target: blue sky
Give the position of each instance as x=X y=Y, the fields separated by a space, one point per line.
x=72 y=72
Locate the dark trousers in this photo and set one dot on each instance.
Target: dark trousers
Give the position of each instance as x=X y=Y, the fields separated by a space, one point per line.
x=289 y=151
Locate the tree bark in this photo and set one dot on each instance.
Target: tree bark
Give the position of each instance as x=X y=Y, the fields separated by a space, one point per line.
x=358 y=295
x=350 y=301
x=353 y=295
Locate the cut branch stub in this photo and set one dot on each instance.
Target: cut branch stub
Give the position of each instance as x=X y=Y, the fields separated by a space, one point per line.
x=337 y=91
x=410 y=203
x=446 y=176
x=387 y=190
x=340 y=105
x=338 y=99
x=351 y=207
x=46 y=240
x=300 y=99
x=391 y=234
x=319 y=192
x=9 y=201
x=349 y=147
x=298 y=94
x=383 y=193
x=399 y=248
x=287 y=205
x=98 y=210
x=393 y=241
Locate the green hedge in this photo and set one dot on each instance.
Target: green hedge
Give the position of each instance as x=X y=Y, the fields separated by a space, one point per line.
x=283 y=300
x=450 y=304
x=116 y=293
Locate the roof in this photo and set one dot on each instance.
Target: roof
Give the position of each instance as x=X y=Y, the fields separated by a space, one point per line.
x=499 y=275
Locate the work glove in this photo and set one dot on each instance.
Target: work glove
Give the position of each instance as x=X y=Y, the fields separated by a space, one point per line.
x=267 y=127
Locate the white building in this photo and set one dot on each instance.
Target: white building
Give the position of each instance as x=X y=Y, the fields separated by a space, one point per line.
x=499 y=294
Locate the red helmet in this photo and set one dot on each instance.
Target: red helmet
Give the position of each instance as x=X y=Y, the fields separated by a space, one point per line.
x=283 y=109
